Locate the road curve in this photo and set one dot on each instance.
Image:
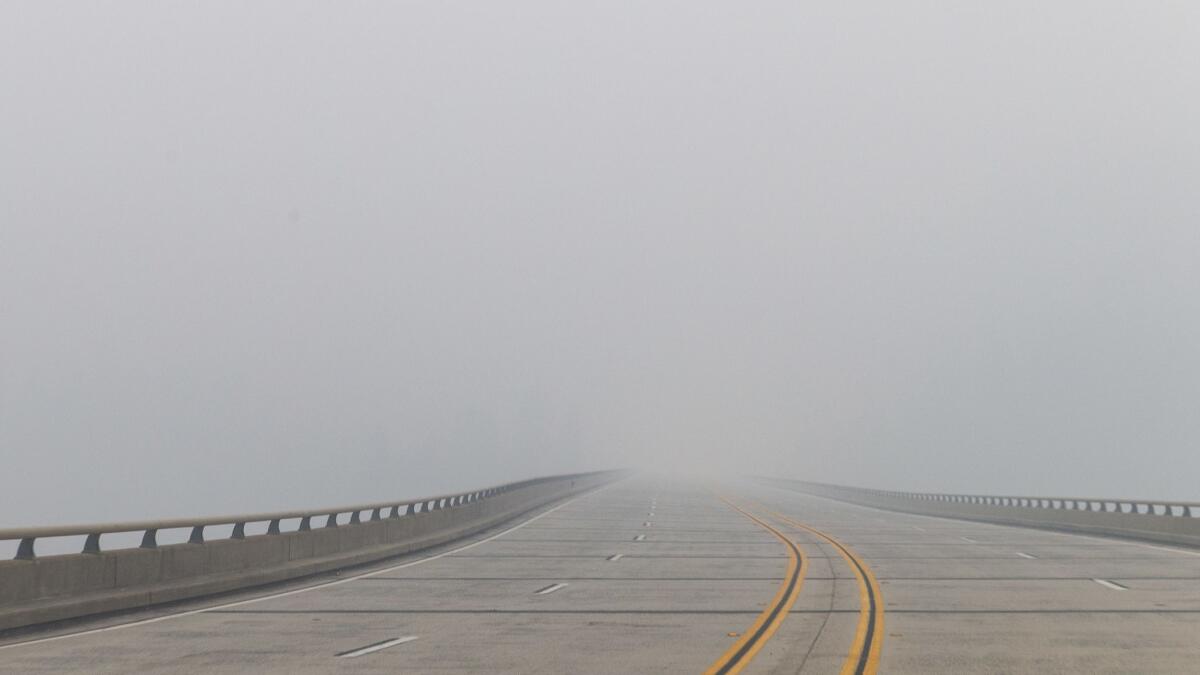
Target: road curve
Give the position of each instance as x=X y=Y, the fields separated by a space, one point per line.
x=652 y=576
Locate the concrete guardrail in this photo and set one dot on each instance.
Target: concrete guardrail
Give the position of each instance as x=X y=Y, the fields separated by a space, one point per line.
x=1164 y=521
x=40 y=589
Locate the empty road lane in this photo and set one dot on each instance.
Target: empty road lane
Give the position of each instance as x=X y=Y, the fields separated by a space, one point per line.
x=649 y=575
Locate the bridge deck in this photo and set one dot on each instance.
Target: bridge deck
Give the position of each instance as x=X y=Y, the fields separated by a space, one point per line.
x=956 y=597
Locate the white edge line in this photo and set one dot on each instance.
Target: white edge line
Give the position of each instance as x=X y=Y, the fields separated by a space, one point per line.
x=1123 y=541
x=1109 y=584
x=615 y=557
x=550 y=589
x=377 y=647
x=298 y=591
x=1027 y=556
x=1170 y=549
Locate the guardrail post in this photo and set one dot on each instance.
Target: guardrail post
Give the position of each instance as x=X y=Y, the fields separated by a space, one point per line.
x=150 y=539
x=239 y=531
x=412 y=508
x=305 y=524
x=197 y=535
x=331 y=520
x=273 y=528
x=354 y=519
x=92 y=543
x=25 y=549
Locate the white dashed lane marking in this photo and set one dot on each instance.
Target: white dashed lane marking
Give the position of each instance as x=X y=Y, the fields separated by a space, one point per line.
x=549 y=589
x=376 y=647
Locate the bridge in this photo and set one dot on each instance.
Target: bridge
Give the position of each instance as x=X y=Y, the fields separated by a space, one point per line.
x=613 y=572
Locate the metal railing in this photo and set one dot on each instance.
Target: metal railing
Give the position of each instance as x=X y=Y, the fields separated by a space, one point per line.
x=1150 y=507
x=27 y=536
x=1163 y=508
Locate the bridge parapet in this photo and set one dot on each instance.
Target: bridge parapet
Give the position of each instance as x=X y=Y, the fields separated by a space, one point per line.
x=1159 y=520
x=39 y=589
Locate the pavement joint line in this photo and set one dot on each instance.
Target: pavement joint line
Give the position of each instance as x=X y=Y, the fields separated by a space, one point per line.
x=661 y=541
x=305 y=589
x=550 y=589
x=606 y=578
x=493 y=610
x=567 y=556
x=1162 y=610
x=377 y=646
x=1111 y=584
x=1119 y=610
x=935 y=544
x=999 y=557
x=710 y=530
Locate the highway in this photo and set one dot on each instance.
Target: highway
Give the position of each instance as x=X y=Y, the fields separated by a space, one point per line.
x=651 y=576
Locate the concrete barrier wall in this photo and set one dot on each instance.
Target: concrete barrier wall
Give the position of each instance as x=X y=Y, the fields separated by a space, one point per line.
x=43 y=589
x=1167 y=522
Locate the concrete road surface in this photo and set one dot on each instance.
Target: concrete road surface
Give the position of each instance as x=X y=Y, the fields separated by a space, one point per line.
x=650 y=576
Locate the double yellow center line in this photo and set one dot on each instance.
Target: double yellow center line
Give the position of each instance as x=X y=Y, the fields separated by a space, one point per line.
x=742 y=651
x=863 y=658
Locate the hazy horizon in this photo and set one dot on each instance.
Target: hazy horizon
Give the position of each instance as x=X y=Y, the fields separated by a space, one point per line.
x=270 y=255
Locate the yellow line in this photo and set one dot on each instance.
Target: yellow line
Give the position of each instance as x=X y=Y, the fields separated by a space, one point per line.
x=870 y=623
x=743 y=651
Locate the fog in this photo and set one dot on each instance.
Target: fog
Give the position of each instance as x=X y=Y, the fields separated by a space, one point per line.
x=292 y=254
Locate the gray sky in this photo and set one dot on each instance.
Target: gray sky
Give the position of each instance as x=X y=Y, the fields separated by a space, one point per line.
x=271 y=254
